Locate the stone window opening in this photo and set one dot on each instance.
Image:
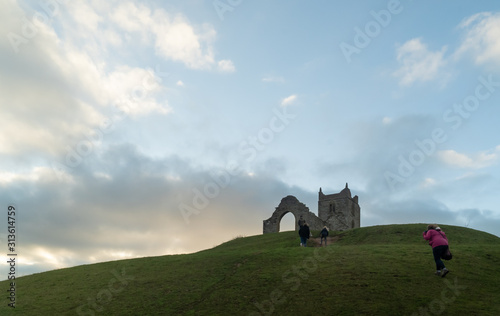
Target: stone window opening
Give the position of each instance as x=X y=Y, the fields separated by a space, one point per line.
x=332 y=208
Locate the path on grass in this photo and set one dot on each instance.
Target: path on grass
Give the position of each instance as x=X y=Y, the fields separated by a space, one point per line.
x=316 y=242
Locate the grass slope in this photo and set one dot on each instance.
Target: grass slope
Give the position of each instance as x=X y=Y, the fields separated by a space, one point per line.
x=379 y=270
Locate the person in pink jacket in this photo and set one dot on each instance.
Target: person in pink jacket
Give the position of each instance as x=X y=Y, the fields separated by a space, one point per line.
x=439 y=243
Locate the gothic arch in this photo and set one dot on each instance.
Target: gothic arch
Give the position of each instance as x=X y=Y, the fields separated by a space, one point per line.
x=290 y=204
x=295 y=220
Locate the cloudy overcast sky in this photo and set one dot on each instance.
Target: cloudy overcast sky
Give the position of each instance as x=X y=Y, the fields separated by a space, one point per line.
x=145 y=128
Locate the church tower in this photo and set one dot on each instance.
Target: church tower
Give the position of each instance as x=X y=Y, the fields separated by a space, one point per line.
x=340 y=211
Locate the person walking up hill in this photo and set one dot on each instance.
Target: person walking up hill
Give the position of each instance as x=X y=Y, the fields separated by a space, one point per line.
x=439 y=243
x=323 y=235
x=304 y=233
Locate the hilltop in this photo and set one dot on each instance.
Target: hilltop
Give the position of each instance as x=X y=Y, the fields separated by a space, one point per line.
x=379 y=270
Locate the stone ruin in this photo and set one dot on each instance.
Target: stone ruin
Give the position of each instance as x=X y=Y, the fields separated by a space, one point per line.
x=339 y=211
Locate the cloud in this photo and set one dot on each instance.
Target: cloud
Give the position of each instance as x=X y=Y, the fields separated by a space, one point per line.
x=134 y=88
x=417 y=63
x=175 y=38
x=475 y=161
x=120 y=187
x=482 y=38
x=289 y=100
x=409 y=210
x=76 y=76
x=84 y=65
x=39 y=108
x=180 y=83
x=72 y=82
x=226 y=66
x=179 y=41
x=484 y=220
x=376 y=211
x=133 y=18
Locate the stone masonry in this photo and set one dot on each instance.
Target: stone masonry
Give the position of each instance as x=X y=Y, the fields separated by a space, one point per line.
x=339 y=211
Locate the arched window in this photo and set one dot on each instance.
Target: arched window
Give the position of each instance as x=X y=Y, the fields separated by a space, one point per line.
x=287 y=222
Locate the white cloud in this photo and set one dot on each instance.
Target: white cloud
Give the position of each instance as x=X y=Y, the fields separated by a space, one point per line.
x=289 y=100
x=386 y=120
x=89 y=25
x=134 y=87
x=417 y=63
x=180 y=83
x=39 y=175
x=174 y=36
x=70 y=80
x=475 y=161
x=177 y=40
x=482 y=38
x=132 y=18
x=37 y=100
x=8 y=177
x=85 y=16
x=226 y=66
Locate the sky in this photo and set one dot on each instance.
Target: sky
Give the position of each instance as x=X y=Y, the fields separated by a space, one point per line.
x=146 y=128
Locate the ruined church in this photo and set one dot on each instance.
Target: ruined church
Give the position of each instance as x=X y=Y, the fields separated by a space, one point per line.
x=339 y=211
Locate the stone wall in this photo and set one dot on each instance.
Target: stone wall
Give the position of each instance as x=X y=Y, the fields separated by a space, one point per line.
x=291 y=204
x=340 y=211
x=337 y=211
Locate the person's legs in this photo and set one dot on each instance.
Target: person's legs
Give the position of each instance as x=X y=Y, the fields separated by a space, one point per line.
x=303 y=241
x=437 y=251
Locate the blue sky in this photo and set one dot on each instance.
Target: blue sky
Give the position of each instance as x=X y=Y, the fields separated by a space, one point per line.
x=144 y=128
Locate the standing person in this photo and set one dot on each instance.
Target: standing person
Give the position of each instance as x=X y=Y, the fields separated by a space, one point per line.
x=301 y=221
x=323 y=234
x=304 y=233
x=439 y=243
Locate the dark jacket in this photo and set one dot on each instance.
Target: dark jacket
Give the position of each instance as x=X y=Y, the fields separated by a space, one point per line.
x=304 y=232
x=324 y=232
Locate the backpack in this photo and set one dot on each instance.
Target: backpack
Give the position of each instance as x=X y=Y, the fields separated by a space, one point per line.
x=446 y=255
x=324 y=232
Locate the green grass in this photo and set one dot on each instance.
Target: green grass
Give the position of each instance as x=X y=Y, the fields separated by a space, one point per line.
x=379 y=270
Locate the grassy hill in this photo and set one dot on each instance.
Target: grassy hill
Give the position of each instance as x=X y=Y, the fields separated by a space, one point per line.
x=379 y=270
